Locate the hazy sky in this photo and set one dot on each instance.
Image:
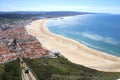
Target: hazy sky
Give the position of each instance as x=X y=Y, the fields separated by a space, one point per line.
x=103 y=6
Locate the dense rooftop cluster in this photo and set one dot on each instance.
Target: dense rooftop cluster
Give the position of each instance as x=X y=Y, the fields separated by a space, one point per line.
x=9 y=23
x=3 y=49
x=15 y=42
x=33 y=50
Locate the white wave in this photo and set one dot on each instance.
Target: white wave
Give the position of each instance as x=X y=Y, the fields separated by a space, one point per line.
x=87 y=44
x=97 y=37
x=91 y=36
x=69 y=20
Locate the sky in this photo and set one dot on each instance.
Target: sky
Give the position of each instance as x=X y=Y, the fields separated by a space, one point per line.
x=99 y=6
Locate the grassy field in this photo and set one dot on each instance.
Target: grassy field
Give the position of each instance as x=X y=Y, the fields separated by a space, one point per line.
x=10 y=71
x=61 y=69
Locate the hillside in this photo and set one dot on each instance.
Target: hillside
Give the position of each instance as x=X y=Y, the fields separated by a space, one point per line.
x=10 y=71
x=10 y=17
x=61 y=69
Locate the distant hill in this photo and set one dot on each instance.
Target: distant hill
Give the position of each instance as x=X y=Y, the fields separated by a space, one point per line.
x=45 y=12
x=38 y=14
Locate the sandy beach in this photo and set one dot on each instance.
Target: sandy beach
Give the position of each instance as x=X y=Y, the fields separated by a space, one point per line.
x=73 y=50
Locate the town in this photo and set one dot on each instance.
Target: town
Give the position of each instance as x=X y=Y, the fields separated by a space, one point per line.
x=15 y=42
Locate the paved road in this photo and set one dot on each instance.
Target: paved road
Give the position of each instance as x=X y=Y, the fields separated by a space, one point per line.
x=27 y=76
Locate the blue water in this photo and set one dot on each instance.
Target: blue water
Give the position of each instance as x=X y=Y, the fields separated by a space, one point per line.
x=98 y=31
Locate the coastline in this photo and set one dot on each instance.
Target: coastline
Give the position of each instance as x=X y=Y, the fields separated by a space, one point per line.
x=73 y=50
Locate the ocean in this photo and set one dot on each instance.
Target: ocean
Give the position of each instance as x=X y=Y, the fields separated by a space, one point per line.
x=98 y=31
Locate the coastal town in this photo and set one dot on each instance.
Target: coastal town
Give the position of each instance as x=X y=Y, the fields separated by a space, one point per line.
x=59 y=40
x=15 y=42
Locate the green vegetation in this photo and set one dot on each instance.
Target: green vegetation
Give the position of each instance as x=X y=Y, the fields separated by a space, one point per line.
x=16 y=16
x=10 y=71
x=5 y=20
x=62 y=69
x=11 y=18
x=26 y=15
x=54 y=69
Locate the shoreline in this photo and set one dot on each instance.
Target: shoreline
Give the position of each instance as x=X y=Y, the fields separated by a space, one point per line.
x=72 y=50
